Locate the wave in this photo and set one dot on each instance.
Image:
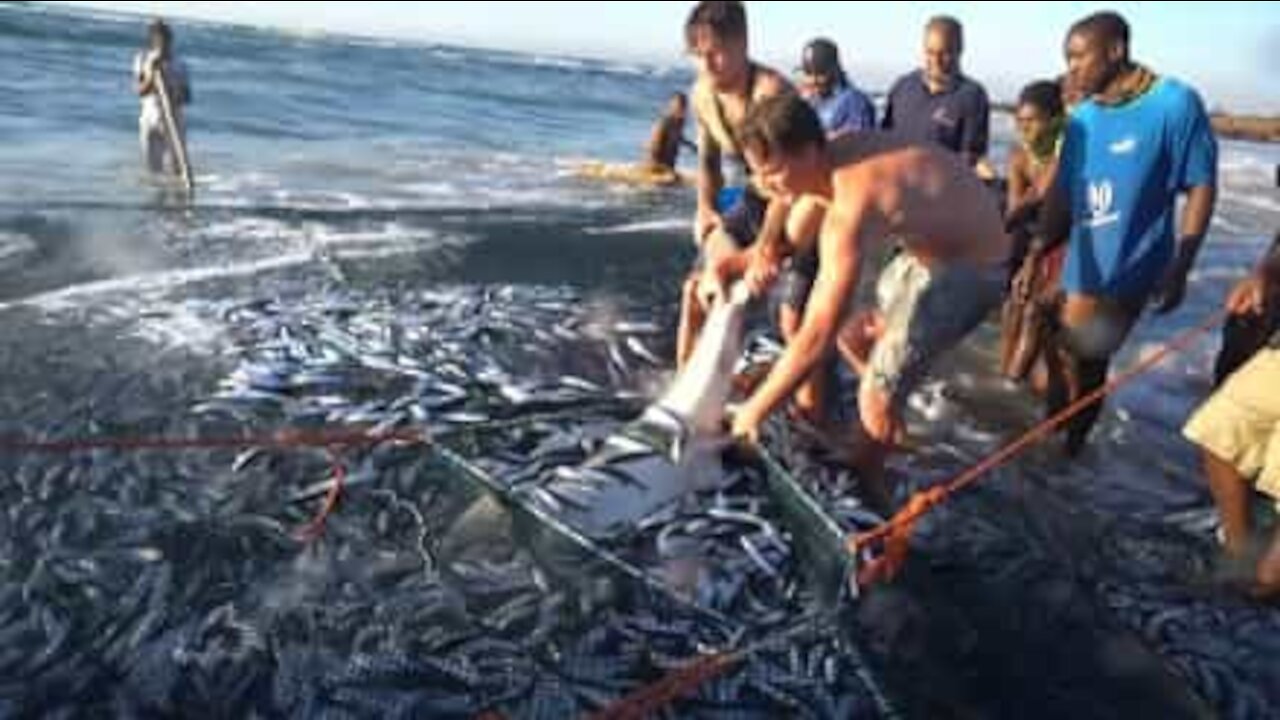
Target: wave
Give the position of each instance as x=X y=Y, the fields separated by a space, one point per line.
x=274 y=243
x=14 y=248
x=666 y=225
x=567 y=63
x=69 y=298
x=1254 y=201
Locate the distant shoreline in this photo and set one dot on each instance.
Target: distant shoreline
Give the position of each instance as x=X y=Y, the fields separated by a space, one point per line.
x=1250 y=128
x=1247 y=127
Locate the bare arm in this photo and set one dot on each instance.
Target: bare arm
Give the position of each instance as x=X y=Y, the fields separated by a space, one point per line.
x=1195 y=221
x=1195 y=224
x=1046 y=180
x=1055 y=219
x=771 y=247
x=799 y=224
x=1016 y=191
x=144 y=76
x=773 y=231
x=805 y=223
x=1248 y=296
x=1027 y=196
x=842 y=235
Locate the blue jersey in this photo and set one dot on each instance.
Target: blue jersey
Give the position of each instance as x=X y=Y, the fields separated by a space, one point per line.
x=1122 y=168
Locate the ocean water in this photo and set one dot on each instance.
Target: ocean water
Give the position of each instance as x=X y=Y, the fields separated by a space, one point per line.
x=377 y=171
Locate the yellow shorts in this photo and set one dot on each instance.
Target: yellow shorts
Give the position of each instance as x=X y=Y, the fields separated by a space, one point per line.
x=1241 y=422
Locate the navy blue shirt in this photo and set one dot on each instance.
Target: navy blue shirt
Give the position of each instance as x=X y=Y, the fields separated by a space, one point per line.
x=957 y=118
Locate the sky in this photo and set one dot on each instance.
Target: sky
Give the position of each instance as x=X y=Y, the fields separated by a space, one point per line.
x=1230 y=51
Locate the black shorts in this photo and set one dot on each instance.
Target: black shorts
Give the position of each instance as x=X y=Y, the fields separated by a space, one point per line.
x=797 y=281
x=744 y=220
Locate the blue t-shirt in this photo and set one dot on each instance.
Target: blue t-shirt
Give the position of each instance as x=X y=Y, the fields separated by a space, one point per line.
x=846 y=110
x=1122 y=168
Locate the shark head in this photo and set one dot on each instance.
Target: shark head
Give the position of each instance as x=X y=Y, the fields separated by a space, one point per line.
x=701 y=391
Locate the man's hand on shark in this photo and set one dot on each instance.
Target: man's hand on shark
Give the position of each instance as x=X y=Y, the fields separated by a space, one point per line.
x=705 y=222
x=746 y=427
x=763 y=270
x=713 y=286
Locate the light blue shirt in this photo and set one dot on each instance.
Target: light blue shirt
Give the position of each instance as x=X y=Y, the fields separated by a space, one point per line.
x=845 y=110
x=1122 y=168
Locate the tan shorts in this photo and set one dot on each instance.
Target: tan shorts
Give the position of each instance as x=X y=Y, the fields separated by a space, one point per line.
x=927 y=311
x=1240 y=423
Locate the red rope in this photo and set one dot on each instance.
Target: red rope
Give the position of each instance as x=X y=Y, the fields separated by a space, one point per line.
x=894 y=536
x=312 y=531
x=283 y=439
x=648 y=700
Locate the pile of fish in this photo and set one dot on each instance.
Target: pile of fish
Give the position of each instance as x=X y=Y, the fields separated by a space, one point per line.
x=215 y=604
x=433 y=359
x=172 y=583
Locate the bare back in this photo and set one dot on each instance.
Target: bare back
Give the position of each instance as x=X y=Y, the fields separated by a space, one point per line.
x=923 y=197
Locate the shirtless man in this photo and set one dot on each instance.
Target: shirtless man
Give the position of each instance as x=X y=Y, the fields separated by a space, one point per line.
x=732 y=208
x=157 y=146
x=877 y=188
x=667 y=138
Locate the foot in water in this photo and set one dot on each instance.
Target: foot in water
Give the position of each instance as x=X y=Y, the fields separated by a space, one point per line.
x=1266 y=586
x=1252 y=572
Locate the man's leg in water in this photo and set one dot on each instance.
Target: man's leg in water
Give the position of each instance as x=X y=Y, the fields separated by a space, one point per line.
x=1269 y=483
x=858 y=338
x=1231 y=494
x=1088 y=376
x=154 y=146
x=1092 y=329
x=862 y=344
x=1238 y=431
x=927 y=312
x=1269 y=571
x=880 y=424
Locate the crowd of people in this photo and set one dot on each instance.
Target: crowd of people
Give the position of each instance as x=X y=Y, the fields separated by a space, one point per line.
x=1109 y=196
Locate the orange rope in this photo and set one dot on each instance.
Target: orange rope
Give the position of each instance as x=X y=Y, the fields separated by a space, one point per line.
x=287 y=438
x=648 y=700
x=312 y=531
x=894 y=536
x=284 y=439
